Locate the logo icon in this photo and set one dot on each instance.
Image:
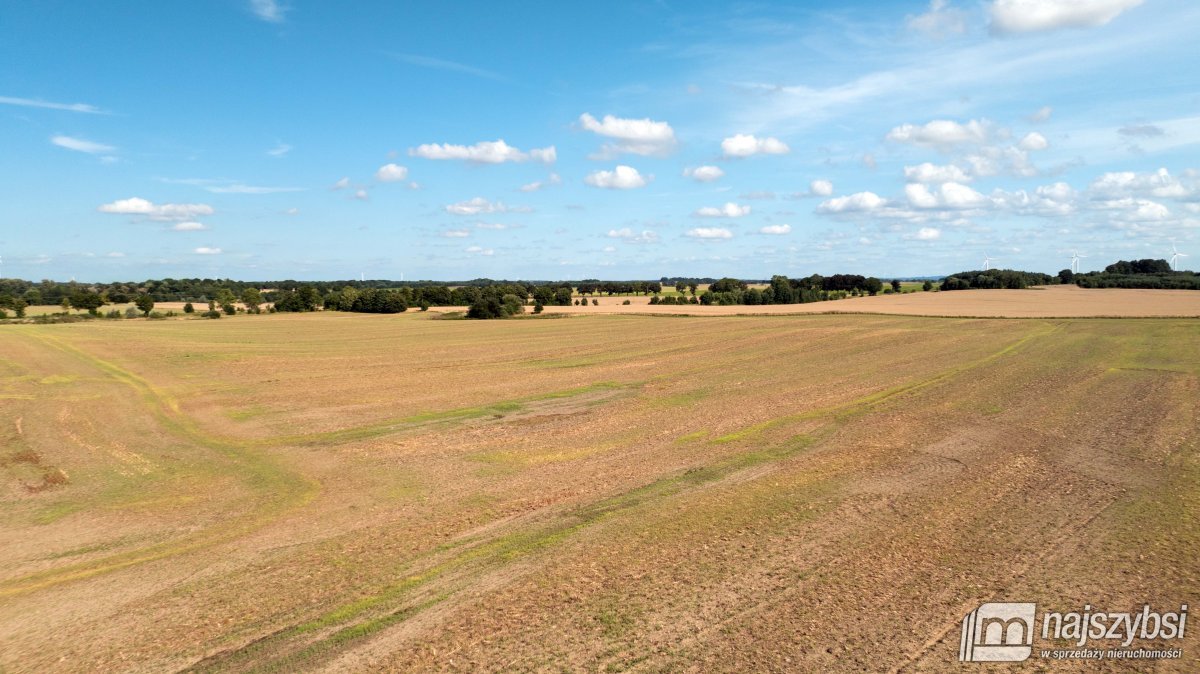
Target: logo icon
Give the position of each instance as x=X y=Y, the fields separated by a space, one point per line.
x=998 y=632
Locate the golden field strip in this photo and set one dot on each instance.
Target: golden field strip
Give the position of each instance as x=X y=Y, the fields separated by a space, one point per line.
x=357 y=493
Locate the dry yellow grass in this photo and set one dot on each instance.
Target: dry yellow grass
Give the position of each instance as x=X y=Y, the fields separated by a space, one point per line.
x=395 y=493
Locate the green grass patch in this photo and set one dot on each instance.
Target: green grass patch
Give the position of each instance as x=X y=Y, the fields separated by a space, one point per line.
x=247 y=413
x=693 y=436
x=682 y=399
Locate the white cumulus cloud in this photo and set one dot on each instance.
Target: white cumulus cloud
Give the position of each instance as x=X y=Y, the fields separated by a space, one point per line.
x=933 y=173
x=710 y=233
x=1159 y=184
x=391 y=173
x=620 y=178
x=189 y=226
x=745 y=145
x=1024 y=16
x=776 y=229
x=484 y=152
x=820 y=188
x=941 y=133
x=928 y=234
x=205 y=250
x=946 y=195
x=857 y=202
x=1033 y=141
x=632 y=136
x=631 y=236
x=729 y=210
x=144 y=207
x=703 y=174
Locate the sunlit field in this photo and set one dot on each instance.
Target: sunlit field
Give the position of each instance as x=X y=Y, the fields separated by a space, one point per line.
x=585 y=493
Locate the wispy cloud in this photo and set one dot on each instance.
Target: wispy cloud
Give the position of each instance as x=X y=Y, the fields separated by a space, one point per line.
x=50 y=105
x=149 y=209
x=279 y=150
x=268 y=10
x=226 y=186
x=443 y=64
x=484 y=152
x=81 y=145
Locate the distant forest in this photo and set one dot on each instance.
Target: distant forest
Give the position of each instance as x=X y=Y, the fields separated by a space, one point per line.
x=491 y=298
x=1135 y=274
x=487 y=298
x=996 y=278
x=1145 y=273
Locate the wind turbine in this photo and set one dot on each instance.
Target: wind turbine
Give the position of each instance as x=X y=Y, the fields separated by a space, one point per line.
x=1075 y=257
x=1175 y=255
x=987 y=262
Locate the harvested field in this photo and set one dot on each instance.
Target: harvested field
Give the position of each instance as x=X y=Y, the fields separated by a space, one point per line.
x=339 y=492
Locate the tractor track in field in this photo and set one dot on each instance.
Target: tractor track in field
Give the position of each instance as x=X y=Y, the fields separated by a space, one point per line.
x=308 y=644
x=288 y=490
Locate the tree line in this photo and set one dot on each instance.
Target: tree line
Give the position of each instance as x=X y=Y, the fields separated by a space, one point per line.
x=996 y=279
x=1145 y=273
x=780 y=290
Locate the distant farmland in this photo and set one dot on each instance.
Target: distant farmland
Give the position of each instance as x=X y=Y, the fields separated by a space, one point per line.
x=351 y=492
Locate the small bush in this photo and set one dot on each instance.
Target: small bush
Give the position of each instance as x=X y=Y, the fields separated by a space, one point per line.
x=211 y=313
x=595 y=303
x=156 y=315
x=188 y=308
x=115 y=313
x=132 y=312
x=538 y=308
x=625 y=302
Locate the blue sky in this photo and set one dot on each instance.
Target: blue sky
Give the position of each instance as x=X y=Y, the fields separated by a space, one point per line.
x=268 y=140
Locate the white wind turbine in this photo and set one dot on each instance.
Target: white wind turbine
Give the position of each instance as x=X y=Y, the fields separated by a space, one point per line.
x=1075 y=258
x=1175 y=255
x=987 y=262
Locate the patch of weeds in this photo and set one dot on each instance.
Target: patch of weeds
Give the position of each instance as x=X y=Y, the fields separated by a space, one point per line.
x=694 y=436
x=246 y=413
x=684 y=399
x=56 y=511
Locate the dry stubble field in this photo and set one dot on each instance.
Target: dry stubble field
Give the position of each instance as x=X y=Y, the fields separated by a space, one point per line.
x=594 y=493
